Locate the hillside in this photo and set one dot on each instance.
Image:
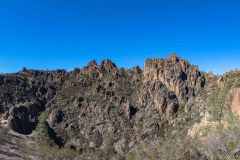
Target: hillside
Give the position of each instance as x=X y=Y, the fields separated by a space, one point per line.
x=168 y=110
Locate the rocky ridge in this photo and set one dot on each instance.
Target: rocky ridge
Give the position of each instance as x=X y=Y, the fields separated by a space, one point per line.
x=87 y=106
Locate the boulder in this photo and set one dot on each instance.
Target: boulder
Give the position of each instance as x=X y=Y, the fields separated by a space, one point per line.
x=24 y=117
x=120 y=146
x=55 y=117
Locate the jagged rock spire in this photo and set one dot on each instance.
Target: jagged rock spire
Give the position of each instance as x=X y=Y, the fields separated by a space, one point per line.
x=92 y=63
x=173 y=57
x=106 y=63
x=176 y=74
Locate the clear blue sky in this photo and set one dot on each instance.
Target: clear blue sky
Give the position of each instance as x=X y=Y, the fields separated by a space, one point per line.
x=50 y=34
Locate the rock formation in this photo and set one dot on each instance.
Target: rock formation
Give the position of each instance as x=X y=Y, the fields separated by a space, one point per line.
x=234 y=98
x=23 y=118
x=176 y=74
x=100 y=103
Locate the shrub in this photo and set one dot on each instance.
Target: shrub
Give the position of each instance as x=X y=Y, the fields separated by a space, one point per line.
x=175 y=147
x=107 y=145
x=53 y=152
x=45 y=144
x=41 y=132
x=3 y=134
x=222 y=141
x=216 y=102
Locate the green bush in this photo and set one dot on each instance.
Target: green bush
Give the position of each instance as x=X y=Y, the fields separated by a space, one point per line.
x=45 y=145
x=216 y=102
x=174 y=148
x=41 y=132
x=222 y=141
x=107 y=145
x=53 y=152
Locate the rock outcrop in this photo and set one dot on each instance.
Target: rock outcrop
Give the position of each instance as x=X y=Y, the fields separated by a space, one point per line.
x=23 y=118
x=234 y=100
x=155 y=94
x=88 y=105
x=176 y=74
x=95 y=70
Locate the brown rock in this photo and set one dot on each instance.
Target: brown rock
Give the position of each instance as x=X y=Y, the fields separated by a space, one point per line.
x=92 y=69
x=23 y=117
x=55 y=117
x=176 y=74
x=235 y=100
x=107 y=67
x=120 y=146
x=155 y=94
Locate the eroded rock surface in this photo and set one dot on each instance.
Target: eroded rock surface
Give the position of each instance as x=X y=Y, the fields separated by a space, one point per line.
x=176 y=74
x=235 y=100
x=88 y=105
x=23 y=118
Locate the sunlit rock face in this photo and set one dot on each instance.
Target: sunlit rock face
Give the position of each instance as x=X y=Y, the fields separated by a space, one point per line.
x=176 y=74
x=88 y=104
x=235 y=100
x=105 y=68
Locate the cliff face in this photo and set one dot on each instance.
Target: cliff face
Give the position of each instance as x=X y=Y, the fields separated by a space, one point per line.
x=87 y=105
x=176 y=74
